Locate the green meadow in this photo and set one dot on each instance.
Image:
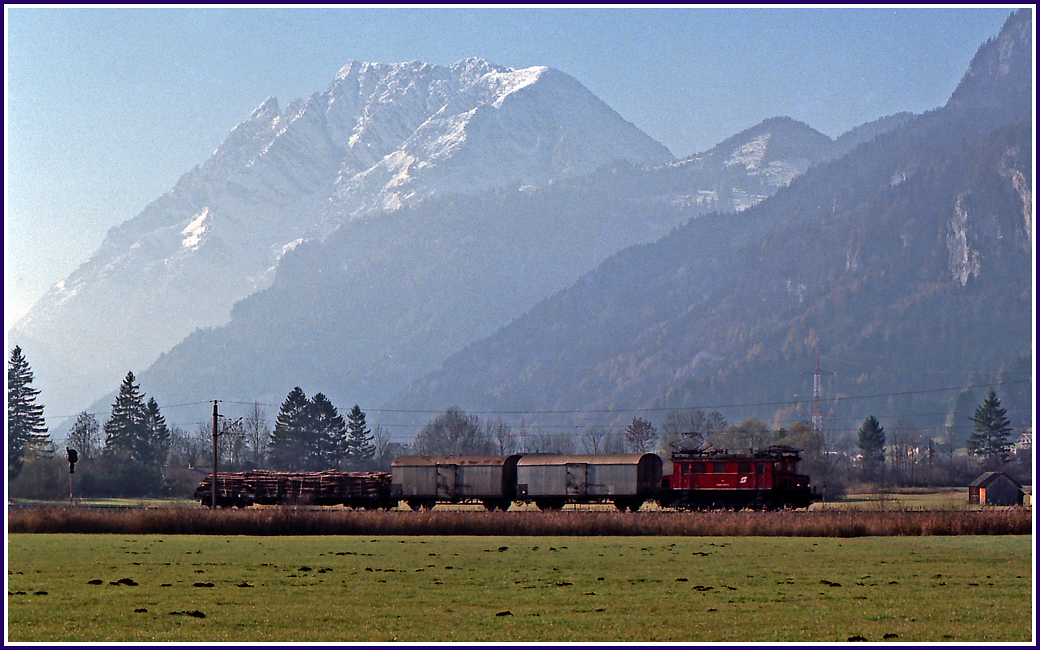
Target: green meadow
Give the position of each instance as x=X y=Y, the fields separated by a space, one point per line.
x=213 y=588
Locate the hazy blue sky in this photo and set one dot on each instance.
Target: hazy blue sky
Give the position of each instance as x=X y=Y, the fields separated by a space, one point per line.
x=107 y=108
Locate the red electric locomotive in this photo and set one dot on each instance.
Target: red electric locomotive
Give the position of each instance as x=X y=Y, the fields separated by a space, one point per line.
x=712 y=479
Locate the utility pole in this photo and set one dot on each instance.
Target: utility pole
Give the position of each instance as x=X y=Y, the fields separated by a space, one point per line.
x=215 y=434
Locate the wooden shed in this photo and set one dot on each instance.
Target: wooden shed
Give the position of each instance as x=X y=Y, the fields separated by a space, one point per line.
x=995 y=489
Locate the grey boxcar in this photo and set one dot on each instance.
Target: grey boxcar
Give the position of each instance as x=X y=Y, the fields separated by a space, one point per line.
x=551 y=481
x=424 y=481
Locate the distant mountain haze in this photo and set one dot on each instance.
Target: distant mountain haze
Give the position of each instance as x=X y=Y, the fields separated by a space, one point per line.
x=379 y=138
x=419 y=236
x=383 y=300
x=905 y=264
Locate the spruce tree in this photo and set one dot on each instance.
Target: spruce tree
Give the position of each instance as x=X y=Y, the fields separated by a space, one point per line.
x=872 y=443
x=292 y=439
x=25 y=422
x=126 y=431
x=360 y=447
x=990 y=439
x=156 y=445
x=330 y=434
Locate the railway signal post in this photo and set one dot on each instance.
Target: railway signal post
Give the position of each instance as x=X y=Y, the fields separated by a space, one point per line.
x=73 y=458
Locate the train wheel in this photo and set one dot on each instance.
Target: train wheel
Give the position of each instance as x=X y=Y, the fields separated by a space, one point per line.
x=621 y=504
x=414 y=505
x=634 y=506
x=490 y=505
x=427 y=505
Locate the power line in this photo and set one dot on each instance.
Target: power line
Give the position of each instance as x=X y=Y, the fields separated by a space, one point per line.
x=536 y=412
x=893 y=369
x=695 y=407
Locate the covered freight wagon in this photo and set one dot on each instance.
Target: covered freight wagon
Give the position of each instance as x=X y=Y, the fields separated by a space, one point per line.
x=551 y=481
x=424 y=481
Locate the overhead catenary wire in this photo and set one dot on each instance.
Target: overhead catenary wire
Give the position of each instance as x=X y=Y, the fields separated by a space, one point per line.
x=639 y=409
x=527 y=429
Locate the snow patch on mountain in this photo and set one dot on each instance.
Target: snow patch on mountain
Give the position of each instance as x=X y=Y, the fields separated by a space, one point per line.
x=194 y=231
x=379 y=138
x=751 y=154
x=964 y=261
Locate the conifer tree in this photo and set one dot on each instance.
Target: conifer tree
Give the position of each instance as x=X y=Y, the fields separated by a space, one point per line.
x=156 y=445
x=330 y=434
x=360 y=447
x=292 y=439
x=872 y=443
x=126 y=431
x=25 y=422
x=990 y=439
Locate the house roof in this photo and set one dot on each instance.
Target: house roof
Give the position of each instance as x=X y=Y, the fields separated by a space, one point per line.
x=989 y=477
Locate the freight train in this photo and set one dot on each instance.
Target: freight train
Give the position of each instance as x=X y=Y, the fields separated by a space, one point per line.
x=691 y=480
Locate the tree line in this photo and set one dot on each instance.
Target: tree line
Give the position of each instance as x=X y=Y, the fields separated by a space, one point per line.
x=135 y=453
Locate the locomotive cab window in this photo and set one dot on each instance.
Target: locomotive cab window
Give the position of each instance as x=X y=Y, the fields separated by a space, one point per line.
x=720 y=468
x=743 y=468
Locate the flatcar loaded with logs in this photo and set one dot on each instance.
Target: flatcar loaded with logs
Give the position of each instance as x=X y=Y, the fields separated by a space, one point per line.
x=368 y=490
x=692 y=480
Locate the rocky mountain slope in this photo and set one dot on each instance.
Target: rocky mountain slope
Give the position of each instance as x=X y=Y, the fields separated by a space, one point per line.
x=380 y=137
x=382 y=301
x=353 y=242
x=906 y=266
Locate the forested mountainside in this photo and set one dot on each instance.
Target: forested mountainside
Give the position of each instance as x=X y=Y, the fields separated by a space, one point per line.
x=385 y=299
x=905 y=266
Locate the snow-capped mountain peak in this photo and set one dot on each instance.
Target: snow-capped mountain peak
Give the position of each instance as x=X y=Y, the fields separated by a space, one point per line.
x=380 y=137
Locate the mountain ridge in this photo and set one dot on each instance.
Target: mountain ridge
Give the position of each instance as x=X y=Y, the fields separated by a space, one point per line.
x=328 y=315
x=218 y=235
x=501 y=251
x=930 y=221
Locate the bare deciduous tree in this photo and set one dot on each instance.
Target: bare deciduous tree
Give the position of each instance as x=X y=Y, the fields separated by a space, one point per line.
x=502 y=435
x=691 y=429
x=613 y=443
x=381 y=440
x=550 y=443
x=257 y=432
x=231 y=445
x=453 y=433
x=85 y=436
x=183 y=451
x=592 y=439
x=640 y=436
x=900 y=447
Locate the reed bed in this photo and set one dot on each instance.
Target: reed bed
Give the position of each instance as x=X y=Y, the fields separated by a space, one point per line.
x=268 y=521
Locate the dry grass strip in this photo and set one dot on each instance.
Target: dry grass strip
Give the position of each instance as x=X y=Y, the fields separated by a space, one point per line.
x=309 y=521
